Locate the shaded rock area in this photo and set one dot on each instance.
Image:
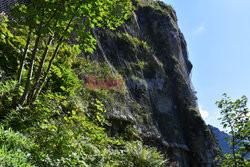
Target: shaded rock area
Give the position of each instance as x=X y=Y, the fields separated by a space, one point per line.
x=144 y=48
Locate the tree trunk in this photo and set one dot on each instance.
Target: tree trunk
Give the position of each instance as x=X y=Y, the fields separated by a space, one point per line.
x=38 y=90
x=20 y=71
x=39 y=71
x=233 y=142
x=234 y=156
x=50 y=64
x=28 y=81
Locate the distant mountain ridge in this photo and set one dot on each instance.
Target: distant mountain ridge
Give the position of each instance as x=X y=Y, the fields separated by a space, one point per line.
x=221 y=136
x=224 y=144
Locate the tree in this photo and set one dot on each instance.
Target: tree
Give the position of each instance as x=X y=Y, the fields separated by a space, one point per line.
x=235 y=117
x=46 y=25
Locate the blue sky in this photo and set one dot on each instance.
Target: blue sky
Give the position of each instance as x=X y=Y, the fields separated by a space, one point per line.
x=218 y=37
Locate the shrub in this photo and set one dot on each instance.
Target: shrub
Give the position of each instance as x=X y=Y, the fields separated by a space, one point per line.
x=139 y=156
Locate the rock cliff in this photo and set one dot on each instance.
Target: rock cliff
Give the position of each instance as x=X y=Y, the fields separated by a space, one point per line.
x=146 y=47
x=150 y=47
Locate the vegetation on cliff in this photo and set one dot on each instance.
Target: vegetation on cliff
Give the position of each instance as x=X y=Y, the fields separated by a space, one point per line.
x=48 y=117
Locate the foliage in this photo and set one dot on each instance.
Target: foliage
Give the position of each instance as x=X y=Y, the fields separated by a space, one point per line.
x=69 y=130
x=156 y=5
x=46 y=26
x=9 y=46
x=93 y=68
x=135 y=42
x=236 y=119
x=56 y=121
x=139 y=156
x=6 y=87
x=75 y=136
x=16 y=149
x=219 y=153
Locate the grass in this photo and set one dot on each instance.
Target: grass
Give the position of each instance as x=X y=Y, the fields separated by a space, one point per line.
x=15 y=149
x=157 y=5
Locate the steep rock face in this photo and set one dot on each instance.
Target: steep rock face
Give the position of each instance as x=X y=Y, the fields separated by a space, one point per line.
x=167 y=117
